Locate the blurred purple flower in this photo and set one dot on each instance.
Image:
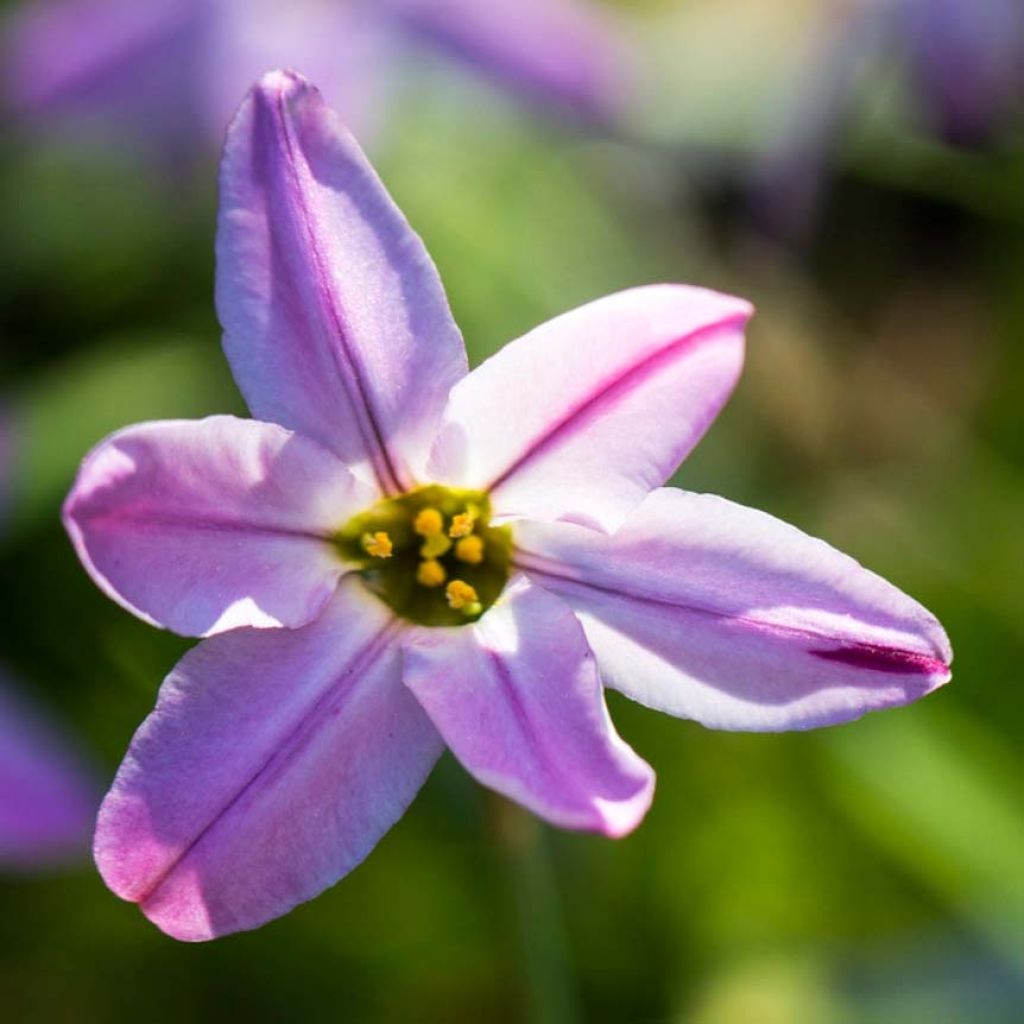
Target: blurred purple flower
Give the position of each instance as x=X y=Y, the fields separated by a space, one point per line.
x=173 y=71
x=966 y=61
x=47 y=802
x=963 y=62
x=47 y=799
x=364 y=619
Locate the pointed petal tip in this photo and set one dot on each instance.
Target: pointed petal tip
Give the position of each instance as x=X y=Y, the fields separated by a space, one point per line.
x=617 y=818
x=283 y=81
x=887 y=659
x=182 y=922
x=286 y=86
x=203 y=526
x=661 y=361
x=714 y=304
x=279 y=86
x=335 y=320
x=720 y=614
x=98 y=469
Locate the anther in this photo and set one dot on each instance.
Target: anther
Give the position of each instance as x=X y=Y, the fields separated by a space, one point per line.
x=470 y=549
x=431 y=573
x=463 y=598
x=462 y=524
x=377 y=545
x=428 y=522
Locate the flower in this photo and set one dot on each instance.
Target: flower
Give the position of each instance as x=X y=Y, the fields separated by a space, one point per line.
x=47 y=800
x=171 y=71
x=966 y=64
x=318 y=549
x=963 y=66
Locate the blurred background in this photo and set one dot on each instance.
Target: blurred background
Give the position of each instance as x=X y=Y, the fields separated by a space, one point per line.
x=856 y=167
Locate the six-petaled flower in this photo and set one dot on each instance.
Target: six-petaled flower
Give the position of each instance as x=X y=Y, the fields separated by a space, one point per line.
x=396 y=556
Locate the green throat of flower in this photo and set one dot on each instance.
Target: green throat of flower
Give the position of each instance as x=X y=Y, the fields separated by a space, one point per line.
x=431 y=554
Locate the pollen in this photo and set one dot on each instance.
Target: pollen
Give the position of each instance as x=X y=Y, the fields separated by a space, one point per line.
x=429 y=523
x=430 y=554
x=431 y=573
x=470 y=549
x=435 y=545
x=463 y=523
x=378 y=544
x=462 y=597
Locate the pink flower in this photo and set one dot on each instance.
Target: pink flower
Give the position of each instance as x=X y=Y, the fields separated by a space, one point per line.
x=397 y=556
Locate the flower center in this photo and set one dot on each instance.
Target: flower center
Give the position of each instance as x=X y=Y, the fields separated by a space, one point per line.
x=431 y=554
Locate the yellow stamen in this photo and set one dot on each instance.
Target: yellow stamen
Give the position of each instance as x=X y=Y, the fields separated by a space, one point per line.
x=377 y=545
x=435 y=546
x=431 y=573
x=470 y=549
x=462 y=524
x=428 y=522
x=462 y=597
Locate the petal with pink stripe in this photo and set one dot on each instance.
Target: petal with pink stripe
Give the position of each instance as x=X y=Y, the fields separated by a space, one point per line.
x=272 y=764
x=206 y=525
x=335 y=321
x=517 y=698
x=712 y=611
x=580 y=418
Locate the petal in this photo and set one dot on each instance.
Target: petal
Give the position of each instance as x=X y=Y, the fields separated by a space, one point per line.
x=517 y=698
x=47 y=798
x=792 y=173
x=561 y=51
x=984 y=43
x=273 y=763
x=207 y=525
x=132 y=62
x=580 y=418
x=334 y=318
x=712 y=611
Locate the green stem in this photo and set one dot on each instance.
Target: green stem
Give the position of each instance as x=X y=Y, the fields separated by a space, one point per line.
x=545 y=957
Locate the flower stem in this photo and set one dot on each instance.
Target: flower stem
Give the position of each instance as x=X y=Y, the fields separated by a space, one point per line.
x=526 y=858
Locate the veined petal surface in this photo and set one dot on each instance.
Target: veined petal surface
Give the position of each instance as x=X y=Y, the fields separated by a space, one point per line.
x=712 y=611
x=335 y=321
x=272 y=764
x=517 y=698
x=207 y=525
x=578 y=419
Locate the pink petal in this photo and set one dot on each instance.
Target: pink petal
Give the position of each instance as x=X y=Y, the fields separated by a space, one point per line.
x=580 y=418
x=273 y=763
x=335 y=321
x=712 y=611
x=517 y=698
x=203 y=526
